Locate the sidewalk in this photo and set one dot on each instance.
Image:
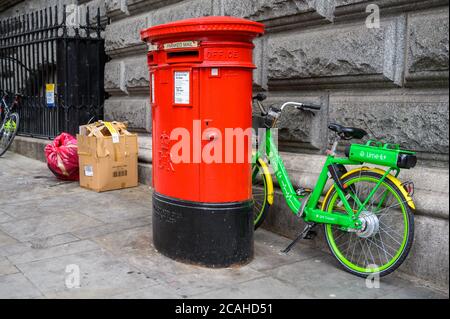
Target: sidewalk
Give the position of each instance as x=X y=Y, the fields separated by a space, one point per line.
x=48 y=227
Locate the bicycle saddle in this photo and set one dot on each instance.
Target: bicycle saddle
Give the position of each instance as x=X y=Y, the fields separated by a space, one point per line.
x=347 y=132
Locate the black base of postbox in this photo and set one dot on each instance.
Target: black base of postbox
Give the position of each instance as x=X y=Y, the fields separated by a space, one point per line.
x=211 y=235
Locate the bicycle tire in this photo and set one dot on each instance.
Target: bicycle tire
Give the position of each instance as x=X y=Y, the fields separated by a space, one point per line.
x=406 y=244
x=13 y=134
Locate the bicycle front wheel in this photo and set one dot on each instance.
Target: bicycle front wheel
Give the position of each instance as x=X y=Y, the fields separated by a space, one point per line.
x=385 y=240
x=8 y=132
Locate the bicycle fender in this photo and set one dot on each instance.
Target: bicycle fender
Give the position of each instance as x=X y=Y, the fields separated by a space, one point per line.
x=270 y=191
x=392 y=178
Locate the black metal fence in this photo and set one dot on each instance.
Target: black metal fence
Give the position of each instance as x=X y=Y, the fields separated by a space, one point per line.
x=58 y=68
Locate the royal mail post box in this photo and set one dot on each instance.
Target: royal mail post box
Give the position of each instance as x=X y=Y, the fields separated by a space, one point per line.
x=201 y=98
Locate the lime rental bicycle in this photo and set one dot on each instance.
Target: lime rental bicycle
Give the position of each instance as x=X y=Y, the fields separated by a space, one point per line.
x=9 y=121
x=367 y=213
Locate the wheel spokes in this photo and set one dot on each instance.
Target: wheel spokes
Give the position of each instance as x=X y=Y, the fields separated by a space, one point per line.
x=381 y=247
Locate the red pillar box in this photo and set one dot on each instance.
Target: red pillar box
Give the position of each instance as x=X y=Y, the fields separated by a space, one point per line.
x=201 y=91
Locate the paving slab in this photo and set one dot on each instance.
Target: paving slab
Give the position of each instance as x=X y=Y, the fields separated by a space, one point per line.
x=14 y=249
x=46 y=205
x=322 y=278
x=268 y=255
x=36 y=244
x=153 y=292
x=52 y=252
x=416 y=292
x=17 y=286
x=46 y=242
x=136 y=247
x=140 y=195
x=7 y=268
x=48 y=225
x=108 y=211
x=32 y=188
x=4 y=217
x=261 y=288
x=6 y=239
x=32 y=178
x=101 y=276
x=111 y=228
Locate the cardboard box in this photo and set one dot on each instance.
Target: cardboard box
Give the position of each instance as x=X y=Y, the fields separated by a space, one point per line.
x=108 y=156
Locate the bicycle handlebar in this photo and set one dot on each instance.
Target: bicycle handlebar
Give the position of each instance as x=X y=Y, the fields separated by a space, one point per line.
x=4 y=94
x=301 y=106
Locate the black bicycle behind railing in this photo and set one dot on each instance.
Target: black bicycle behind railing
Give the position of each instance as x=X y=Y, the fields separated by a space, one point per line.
x=9 y=120
x=58 y=68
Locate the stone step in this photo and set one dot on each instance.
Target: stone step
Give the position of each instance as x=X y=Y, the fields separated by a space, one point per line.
x=431 y=184
x=34 y=148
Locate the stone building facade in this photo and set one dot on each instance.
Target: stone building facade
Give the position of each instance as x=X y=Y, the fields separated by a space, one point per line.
x=391 y=80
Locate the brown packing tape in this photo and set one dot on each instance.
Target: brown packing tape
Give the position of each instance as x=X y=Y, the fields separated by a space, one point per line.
x=99 y=129
x=106 y=148
x=86 y=145
x=95 y=131
x=118 y=151
x=101 y=149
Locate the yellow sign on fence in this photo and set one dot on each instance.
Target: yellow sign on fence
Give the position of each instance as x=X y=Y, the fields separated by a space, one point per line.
x=50 y=94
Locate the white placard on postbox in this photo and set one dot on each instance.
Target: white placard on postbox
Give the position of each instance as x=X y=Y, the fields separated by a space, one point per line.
x=214 y=72
x=182 y=86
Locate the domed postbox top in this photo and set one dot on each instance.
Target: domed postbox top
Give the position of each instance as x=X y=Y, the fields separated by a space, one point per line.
x=203 y=27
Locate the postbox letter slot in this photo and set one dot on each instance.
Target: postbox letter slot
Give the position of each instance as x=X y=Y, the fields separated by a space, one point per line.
x=182 y=54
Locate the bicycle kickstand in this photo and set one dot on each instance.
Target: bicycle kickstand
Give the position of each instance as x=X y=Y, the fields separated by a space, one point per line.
x=305 y=234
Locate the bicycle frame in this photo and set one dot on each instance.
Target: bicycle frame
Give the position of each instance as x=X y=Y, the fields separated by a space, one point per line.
x=311 y=212
x=5 y=106
x=7 y=110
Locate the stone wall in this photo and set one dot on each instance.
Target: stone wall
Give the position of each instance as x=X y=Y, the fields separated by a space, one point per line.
x=391 y=81
x=23 y=7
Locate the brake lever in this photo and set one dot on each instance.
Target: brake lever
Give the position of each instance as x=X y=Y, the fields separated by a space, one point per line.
x=262 y=109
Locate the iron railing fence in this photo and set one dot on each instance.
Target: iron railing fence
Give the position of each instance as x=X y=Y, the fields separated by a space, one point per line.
x=45 y=58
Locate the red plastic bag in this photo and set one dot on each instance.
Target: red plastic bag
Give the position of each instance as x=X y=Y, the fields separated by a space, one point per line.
x=62 y=157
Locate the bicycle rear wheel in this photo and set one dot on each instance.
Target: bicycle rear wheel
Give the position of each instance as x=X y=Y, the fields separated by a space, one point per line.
x=8 y=132
x=386 y=239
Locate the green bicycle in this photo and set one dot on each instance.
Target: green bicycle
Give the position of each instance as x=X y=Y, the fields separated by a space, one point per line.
x=367 y=213
x=9 y=122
